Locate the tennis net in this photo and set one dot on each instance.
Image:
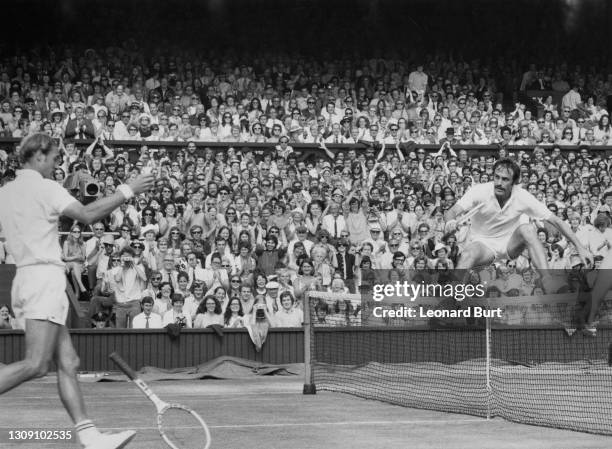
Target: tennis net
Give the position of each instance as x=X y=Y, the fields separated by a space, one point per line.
x=521 y=365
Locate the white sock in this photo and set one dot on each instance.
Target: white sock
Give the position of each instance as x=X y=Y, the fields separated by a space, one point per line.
x=87 y=432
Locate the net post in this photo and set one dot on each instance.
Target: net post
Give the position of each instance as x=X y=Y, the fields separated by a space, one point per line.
x=488 y=364
x=309 y=386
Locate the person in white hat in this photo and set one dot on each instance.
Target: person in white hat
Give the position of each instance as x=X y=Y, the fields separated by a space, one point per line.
x=377 y=239
x=272 y=303
x=103 y=262
x=441 y=252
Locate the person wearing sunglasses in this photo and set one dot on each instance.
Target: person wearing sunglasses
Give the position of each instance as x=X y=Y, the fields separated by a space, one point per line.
x=104 y=259
x=153 y=285
x=94 y=248
x=120 y=131
x=103 y=296
x=214 y=275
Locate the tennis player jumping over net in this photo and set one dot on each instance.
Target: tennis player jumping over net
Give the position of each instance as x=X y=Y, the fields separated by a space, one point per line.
x=30 y=208
x=496 y=230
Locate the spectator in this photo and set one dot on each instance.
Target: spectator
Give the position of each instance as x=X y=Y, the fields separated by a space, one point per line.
x=80 y=127
x=95 y=248
x=176 y=315
x=599 y=241
x=209 y=313
x=571 y=99
x=130 y=281
x=7 y=319
x=346 y=264
x=147 y=319
x=74 y=256
x=194 y=299
x=234 y=315
x=163 y=302
x=214 y=276
x=101 y=320
x=287 y=315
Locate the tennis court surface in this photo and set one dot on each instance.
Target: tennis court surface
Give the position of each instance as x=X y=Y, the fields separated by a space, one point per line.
x=272 y=413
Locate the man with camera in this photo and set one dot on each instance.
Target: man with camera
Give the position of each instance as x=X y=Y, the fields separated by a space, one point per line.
x=103 y=296
x=130 y=279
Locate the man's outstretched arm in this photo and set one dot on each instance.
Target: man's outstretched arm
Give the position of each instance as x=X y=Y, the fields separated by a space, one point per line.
x=104 y=206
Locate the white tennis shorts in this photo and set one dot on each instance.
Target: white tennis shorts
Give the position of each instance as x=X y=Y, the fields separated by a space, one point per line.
x=498 y=245
x=39 y=293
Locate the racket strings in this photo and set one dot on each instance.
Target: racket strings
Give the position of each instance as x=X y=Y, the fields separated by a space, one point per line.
x=181 y=429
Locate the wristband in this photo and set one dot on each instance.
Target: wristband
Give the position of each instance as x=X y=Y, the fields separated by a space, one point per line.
x=126 y=191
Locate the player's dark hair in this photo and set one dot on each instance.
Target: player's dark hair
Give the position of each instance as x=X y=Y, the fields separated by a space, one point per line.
x=31 y=144
x=510 y=165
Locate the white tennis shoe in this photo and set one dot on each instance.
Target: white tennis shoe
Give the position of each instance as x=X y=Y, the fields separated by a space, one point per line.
x=112 y=440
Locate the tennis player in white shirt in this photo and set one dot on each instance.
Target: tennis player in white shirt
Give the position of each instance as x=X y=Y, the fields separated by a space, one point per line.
x=497 y=231
x=30 y=208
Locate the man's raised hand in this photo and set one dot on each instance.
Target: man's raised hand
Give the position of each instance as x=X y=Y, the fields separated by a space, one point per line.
x=142 y=183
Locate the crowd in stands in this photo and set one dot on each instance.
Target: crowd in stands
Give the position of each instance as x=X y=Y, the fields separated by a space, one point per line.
x=117 y=95
x=234 y=235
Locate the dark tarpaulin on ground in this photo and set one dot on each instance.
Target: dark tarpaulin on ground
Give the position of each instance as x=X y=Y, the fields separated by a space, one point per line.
x=224 y=367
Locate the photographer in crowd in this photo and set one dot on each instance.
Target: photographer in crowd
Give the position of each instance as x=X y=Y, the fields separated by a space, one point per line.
x=130 y=281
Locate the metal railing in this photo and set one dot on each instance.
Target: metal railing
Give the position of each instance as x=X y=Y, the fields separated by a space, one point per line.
x=304 y=150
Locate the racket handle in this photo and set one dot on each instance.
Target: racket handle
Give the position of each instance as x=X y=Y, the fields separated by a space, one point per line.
x=122 y=364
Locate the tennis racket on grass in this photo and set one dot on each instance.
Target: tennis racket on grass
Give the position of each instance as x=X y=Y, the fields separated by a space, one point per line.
x=179 y=426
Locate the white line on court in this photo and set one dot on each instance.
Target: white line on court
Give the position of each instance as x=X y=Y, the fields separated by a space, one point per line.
x=318 y=424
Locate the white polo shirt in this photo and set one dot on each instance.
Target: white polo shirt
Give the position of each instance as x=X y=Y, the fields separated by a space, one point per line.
x=30 y=208
x=291 y=318
x=493 y=221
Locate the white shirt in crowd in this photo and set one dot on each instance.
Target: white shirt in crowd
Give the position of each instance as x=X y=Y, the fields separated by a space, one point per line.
x=288 y=318
x=597 y=242
x=140 y=321
x=334 y=225
x=129 y=282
